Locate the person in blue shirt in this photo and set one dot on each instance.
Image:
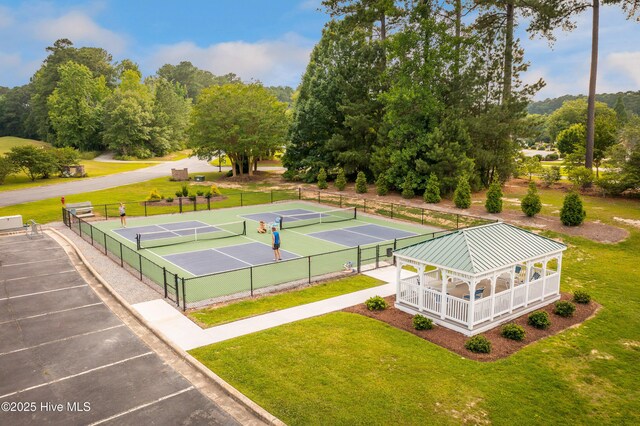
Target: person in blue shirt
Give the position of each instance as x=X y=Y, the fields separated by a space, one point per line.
x=275 y=239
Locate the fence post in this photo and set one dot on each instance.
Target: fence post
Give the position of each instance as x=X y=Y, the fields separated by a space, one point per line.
x=241 y=200
x=377 y=256
x=180 y=202
x=422 y=218
x=359 y=259
x=457 y=220
x=271 y=192
x=91 y=232
x=105 y=243
x=309 y=263
x=391 y=210
x=184 y=296
x=80 y=226
x=251 y=279
x=140 y=263
x=365 y=205
x=299 y=193
x=164 y=280
x=395 y=244
x=208 y=203
x=340 y=200
x=145 y=209
x=318 y=197
x=177 y=287
x=121 y=258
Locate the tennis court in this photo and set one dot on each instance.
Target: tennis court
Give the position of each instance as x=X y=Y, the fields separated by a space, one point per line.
x=220 y=252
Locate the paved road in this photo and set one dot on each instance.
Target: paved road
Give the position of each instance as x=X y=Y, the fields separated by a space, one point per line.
x=66 y=359
x=93 y=184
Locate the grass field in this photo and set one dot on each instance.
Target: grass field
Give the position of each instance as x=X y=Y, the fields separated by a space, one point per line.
x=345 y=369
x=8 y=142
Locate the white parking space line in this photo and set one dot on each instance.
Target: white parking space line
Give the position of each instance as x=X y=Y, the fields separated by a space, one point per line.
x=42 y=275
x=52 y=312
x=63 y=339
x=35 y=261
x=76 y=375
x=139 y=407
x=43 y=292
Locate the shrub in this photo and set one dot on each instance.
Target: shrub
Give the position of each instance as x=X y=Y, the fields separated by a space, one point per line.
x=580 y=296
x=207 y=195
x=551 y=157
x=462 y=194
x=6 y=168
x=322 y=179
x=361 y=183
x=613 y=183
x=376 y=303
x=564 y=308
x=572 y=212
x=192 y=197
x=513 y=331
x=382 y=186
x=432 y=191
x=407 y=187
x=199 y=192
x=539 y=319
x=341 y=180
x=229 y=173
x=154 y=195
x=185 y=191
x=179 y=193
x=531 y=204
x=494 y=196
x=550 y=175
x=169 y=199
x=478 y=345
x=215 y=191
x=581 y=177
x=422 y=323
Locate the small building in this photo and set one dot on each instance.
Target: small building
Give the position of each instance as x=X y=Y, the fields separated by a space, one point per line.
x=474 y=279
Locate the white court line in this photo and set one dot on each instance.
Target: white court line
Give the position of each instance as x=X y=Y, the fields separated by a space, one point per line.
x=34 y=261
x=317 y=238
x=139 y=407
x=41 y=275
x=360 y=233
x=76 y=375
x=88 y=333
x=43 y=292
x=51 y=313
x=233 y=257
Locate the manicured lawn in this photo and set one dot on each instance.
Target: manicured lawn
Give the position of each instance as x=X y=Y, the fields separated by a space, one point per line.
x=8 y=142
x=213 y=316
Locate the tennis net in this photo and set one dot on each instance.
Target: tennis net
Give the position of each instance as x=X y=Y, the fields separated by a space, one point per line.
x=187 y=235
x=328 y=216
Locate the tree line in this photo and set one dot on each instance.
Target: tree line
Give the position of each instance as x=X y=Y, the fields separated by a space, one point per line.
x=630 y=99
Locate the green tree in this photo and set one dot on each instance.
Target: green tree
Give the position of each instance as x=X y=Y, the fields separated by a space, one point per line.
x=341 y=180
x=34 y=161
x=243 y=120
x=65 y=156
x=581 y=177
x=572 y=212
x=493 y=203
x=570 y=138
x=171 y=110
x=621 y=110
x=192 y=78
x=15 y=107
x=550 y=175
x=462 y=194
x=532 y=166
x=407 y=187
x=6 y=168
x=322 y=179
x=382 y=186
x=432 y=191
x=361 y=183
x=76 y=107
x=531 y=204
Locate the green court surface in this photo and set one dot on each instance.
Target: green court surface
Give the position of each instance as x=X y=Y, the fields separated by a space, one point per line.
x=213 y=268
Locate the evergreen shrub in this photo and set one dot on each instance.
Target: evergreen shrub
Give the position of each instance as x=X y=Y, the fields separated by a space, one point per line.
x=572 y=212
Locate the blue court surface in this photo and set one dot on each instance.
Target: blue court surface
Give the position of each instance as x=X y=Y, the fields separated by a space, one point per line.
x=292 y=215
x=209 y=261
x=166 y=230
x=361 y=235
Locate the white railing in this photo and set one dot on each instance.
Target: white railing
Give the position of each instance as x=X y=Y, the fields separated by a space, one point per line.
x=412 y=280
x=432 y=275
x=482 y=310
x=457 y=309
x=552 y=286
x=519 y=296
x=431 y=301
x=408 y=293
x=535 y=290
x=502 y=303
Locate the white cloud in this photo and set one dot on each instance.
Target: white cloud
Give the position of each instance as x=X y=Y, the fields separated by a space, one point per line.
x=80 y=29
x=626 y=64
x=6 y=17
x=310 y=5
x=273 y=62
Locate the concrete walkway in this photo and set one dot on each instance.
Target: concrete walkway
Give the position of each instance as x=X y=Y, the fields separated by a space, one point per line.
x=187 y=335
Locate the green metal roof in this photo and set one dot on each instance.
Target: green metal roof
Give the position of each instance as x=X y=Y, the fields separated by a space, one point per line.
x=482 y=248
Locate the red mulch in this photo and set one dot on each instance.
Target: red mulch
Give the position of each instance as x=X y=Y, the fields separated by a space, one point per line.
x=500 y=346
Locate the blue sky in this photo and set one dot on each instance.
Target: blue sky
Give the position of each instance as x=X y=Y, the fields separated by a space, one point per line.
x=268 y=40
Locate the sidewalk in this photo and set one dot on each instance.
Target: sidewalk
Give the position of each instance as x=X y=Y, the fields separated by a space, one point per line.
x=187 y=335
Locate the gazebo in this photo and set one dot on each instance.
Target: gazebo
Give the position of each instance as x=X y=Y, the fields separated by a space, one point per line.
x=474 y=279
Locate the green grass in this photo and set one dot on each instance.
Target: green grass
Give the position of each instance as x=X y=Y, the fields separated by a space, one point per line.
x=209 y=317
x=8 y=142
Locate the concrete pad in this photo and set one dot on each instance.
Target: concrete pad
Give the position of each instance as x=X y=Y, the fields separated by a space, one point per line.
x=30 y=285
x=26 y=306
x=173 y=324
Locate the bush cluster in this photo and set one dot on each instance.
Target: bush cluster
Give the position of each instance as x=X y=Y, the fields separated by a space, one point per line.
x=564 y=308
x=422 y=323
x=580 y=296
x=376 y=303
x=382 y=186
x=531 y=204
x=154 y=195
x=462 y=194
x=37 y=162
x=494 y=196
x=551 y=157
x=478 y=344
x=550 y=175
x=322 y=179
x=361 y=183
x=169 y=199
x=185 y=191
x=341 y=180
x=215 y=191
x=407 y=187
x=513 y=331
x=432 y=191
x=572 y=212
x=539 y=319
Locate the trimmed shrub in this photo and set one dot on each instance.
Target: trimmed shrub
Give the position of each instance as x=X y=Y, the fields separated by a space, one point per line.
x=192 y=197
x=199 y=192
x=376 y=303
x=462 y=194
x=478 y=344
x=422 y=323
x=322 y=179
x=531 y=204
x=564 y=308
x=432 y=191
x=382 y=186
x=207 y=195
x=407 y=187
x=580 y=296
x=551 y=157
x=215 y=191
x=169 y=199
x=572 y=213
x=341 y=180
x=581 y=177
x=154 y=195
x=494 y=196
x=185 y=191
x=539 y=319
x=550 y=175
x=361 y=183
x=513 y=331
x=179 y=193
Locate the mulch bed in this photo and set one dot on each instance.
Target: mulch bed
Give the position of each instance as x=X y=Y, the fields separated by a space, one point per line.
x=500 y=346
x=185 y=201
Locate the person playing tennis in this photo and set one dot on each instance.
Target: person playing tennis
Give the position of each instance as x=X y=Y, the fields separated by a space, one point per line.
x=262 y=227
x=275 y=239
x=123 y=215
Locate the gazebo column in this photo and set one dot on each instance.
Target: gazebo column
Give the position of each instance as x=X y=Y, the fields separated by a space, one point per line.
x=493 y=295
x=443 y=294
x=512 y=283
x=559 y=270
x=421 y=287
x=472 y=305
x=526 y=283
x=544 y=277
x=399 y=265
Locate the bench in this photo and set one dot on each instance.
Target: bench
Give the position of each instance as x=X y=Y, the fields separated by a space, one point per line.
x=83 y=209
